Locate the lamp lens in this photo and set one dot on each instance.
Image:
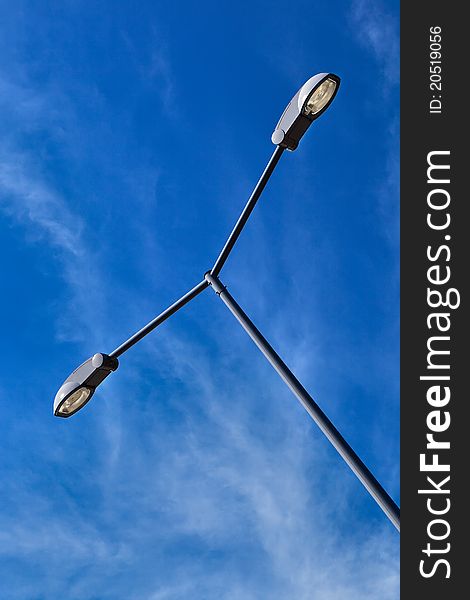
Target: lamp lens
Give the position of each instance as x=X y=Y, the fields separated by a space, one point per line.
x=75 y=401
x=320 y=97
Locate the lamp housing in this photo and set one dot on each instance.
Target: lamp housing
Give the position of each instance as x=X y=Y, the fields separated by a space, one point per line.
x=310 y=102
x=80 y=386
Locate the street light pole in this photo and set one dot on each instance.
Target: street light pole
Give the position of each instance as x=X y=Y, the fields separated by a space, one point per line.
x=337 y=440
x=310 y=102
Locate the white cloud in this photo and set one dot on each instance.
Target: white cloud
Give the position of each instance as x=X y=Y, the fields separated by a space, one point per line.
x=234 y=481
x=237 y=471
x=45 y=217
x=29 y=201
x=377 y=30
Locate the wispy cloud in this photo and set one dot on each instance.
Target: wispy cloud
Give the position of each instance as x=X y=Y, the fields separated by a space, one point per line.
x=230 y=482
x=151 y=61
x=31 y=203
x=46 y=219
x=378 y=30
x=200 y=482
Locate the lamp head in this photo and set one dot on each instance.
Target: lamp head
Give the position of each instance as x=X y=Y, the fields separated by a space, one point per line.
x=311 y=101
x=79 y=387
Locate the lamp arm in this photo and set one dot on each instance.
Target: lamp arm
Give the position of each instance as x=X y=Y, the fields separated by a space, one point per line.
x=158 y=320
x=219 y=263
x=246 y=212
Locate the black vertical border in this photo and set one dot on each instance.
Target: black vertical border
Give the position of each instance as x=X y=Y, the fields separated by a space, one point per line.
x=422 y=132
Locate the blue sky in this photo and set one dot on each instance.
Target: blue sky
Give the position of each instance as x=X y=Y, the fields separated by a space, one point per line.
x=131 y=135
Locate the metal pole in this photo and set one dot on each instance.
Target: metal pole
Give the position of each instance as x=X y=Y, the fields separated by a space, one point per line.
x=243 y=218
x=385 y=502
x=160 y=318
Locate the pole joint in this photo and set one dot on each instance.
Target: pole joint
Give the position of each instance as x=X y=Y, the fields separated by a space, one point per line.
x=215 y=283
